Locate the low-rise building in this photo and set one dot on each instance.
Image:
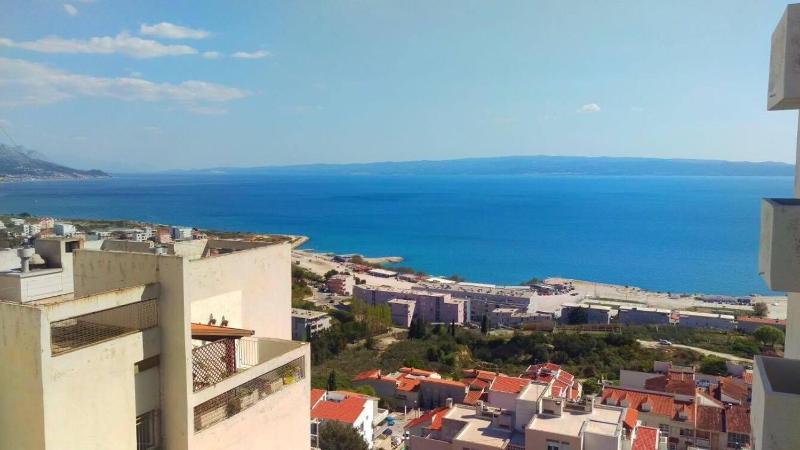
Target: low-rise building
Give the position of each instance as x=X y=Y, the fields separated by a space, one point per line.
x=341 y=284
x=307 y=323
x=402 y=311
x=749 y=324
x=404 y=388
x=354 y=409
x=16 y=221
x=429 y=306
x=178 y=233
x=64 y=229
x=580 y=313
x=31 y=229
x=383 y=273
x=484 y=298
x=515 y=318
x=694 y=319
x=639 y=315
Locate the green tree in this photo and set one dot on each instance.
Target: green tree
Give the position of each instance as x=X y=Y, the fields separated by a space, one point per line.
x=768 y=335
x=330 y=273
x=331 y=386
x=760 y=309
x=713 y=365
x=335 y=435
x=485 y=324
x=532 y=281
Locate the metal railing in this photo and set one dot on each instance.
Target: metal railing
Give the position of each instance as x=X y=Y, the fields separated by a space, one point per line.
x=240 y=398
x=89 y=329
x=221 y=359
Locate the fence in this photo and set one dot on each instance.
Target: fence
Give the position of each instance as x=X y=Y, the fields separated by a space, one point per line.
x=248 y=394
x=81 y=331
x=218 y=360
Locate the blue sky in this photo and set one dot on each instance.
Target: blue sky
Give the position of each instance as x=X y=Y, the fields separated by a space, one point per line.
x=188 y=84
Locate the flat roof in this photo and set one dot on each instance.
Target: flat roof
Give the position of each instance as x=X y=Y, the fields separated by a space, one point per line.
x=570 y=423
x=307 y=314
x=533 y=392
x=477 y=429
x=704 y=314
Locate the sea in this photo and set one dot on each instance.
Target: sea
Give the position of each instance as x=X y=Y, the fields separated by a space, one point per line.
x=670 y=234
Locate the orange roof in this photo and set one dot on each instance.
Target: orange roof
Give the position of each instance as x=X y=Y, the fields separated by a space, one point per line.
x=484 y=375
x=737 y=420
x=346 y=411
x=662 y=405
x=367 y=375
x=433 y=416
x=472 y=397
x=646 y=438
x=764 y=320
x=511 y=385
x=631 y=416
x=316 y=394
x=709 y=418
x=687 y=409
x=205 y=332
x=747 y=377
x=442 y=381
x=407 y=384
x=415 y=371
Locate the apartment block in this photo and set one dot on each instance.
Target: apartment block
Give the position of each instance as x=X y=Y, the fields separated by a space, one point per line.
x=428 y=306
x=636 y=315
x=585 y=313
x=341 y=284
x=306 y=323
x=693 y=319
x=129 y=358
x=484 y=298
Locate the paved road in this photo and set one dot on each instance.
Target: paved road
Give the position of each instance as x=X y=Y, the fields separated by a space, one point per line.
x=655 y=344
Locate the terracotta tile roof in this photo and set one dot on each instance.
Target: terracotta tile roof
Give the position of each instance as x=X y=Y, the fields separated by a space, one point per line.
x=475 y=383
x=672 y=384
x=631 y=416
x=316 y=395
x=472 y=397
x=443 y=382
x=709 y=418
x=213 y=332
x=662 y=405
x=684 y=412
x=346 y=411
x=416 y=372
x=747 y=377
x=433 y=416
x=367 y=375
x=646 y=438
x=763 y=320
x=737 y=419
x=511 y=385
x=407 y=384
x=484 y=375
x=734 y=388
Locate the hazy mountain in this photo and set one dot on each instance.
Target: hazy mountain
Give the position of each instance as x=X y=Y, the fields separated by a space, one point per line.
x=534 y=165
x=22 y=164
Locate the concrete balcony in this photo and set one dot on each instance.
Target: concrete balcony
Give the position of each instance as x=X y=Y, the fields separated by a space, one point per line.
x=779 y=249
x=775 y=403
x=263 y=367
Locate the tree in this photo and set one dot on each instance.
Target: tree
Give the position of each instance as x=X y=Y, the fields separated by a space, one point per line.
x=331 y=386
x=330 y=273
x=768 y=335
x=532 y=281
x=713 y=365
x=760 y=309
x=485 y=324
x=335 y=435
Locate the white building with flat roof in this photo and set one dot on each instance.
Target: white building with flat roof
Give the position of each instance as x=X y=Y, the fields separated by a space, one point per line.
x=641 y=315
x=694 y=319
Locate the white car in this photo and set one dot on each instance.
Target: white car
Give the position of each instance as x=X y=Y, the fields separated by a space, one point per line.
x=664 y=342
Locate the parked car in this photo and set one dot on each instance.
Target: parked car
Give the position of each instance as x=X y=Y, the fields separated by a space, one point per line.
x=664 y=342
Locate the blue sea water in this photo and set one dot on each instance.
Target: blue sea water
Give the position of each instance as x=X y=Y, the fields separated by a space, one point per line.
x=679 y=234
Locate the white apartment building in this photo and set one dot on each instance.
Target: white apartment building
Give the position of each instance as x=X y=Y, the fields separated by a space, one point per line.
x=129 y=359
x=305 y=321
x=592 y=314
x=357 y=410
x=639 y=315
x=180 y=233
x=694 y=319
x=31 y=229
x=483 y=298
x=64 y=229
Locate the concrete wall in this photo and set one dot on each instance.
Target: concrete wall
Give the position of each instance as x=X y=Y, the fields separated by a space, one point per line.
x=792 y=343
x=22 y=337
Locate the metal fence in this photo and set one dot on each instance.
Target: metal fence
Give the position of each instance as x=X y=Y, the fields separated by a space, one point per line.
x=81 y=331
x=218 y=360
x=248 y=394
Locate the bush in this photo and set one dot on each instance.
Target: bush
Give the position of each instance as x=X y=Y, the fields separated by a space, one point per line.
x=335 y=435
x=713 y=365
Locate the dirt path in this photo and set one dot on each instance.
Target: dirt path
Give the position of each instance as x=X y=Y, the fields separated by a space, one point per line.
x=655 y=344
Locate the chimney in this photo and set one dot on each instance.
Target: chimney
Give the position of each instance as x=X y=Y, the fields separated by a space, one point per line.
x=479 y=407
x=449 y=402
x=25 y=255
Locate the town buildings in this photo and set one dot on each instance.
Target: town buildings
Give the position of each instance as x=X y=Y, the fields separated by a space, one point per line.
x=693 y=319
x=585 y=313
x=341 y=284
x=514 y=318
x=131 y=352
x=429 y=307
x=411 y=388
x=483 y=298
x=749 y=324
x=180 y=233
x=64 y=229
x=637 y=315
x=306 y=323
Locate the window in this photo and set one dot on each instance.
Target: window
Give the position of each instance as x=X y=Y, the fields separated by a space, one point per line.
x=147 y=431
x=737 y=440
x=553 y=445
x=664 y=429
x=686 y=432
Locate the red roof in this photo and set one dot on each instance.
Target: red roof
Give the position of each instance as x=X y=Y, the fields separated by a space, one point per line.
x=481 y=374
x=346 y=411
x=646 y=439
x=734 y=388
x=687 y=410
x=475 y=383
x=511 y=385
x=709 y=418
x=417 y=372
x=662 y=405
x=433 y=416
x=472 y=397
x=367 y=375
x=764 y=320
x=407 y=384
x=671 y=384
x=737 y=419
x=316 y=394
x=443 y=381
x=631 y=416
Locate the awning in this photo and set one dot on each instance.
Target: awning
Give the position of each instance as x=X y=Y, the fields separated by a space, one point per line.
x=213 y=332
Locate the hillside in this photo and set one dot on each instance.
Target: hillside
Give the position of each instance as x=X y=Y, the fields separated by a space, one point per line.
x=18 y=163
x=535 y=165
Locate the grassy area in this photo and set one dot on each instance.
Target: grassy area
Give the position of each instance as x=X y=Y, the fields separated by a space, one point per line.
x=732 y=342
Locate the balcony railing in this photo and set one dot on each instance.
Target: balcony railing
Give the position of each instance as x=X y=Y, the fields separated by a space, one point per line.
x=218 y=360
x=248 y=394
x=89 y=329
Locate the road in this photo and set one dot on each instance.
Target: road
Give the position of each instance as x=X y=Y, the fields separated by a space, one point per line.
x=655 y=344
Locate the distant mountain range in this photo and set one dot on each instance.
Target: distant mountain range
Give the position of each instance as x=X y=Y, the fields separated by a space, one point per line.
x=532 y=165
x=19 y=163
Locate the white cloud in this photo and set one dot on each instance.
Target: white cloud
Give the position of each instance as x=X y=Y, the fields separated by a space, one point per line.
x=589 y=108
x=171 y=31
x=28 y=83
x=122 y=43
x=207 y=110
x=211 y=55
x=71 y=10
x=252 y=55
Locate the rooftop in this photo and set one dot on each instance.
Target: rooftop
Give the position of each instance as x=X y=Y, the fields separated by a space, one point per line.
x=601 y=420
x=478 y=429
x=646 y=438
x=475 y=288
x=307 y=314
x=346 y=410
